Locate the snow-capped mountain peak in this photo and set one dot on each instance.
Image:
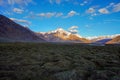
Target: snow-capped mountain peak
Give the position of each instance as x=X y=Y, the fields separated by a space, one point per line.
x=60 y=35
x=59 y=29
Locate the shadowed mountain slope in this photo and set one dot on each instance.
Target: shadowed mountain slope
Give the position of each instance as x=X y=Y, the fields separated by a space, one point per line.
x=11 y=31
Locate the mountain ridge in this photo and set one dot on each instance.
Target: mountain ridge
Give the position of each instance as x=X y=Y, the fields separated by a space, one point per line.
x=97 y=39
x=115 y=40
x=11 y=31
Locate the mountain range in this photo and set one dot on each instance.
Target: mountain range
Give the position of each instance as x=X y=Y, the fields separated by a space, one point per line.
x=60 y=35
x=10 y=31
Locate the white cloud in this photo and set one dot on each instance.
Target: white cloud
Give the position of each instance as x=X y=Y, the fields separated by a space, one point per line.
x=116 y=8
x=17 y=10
x=111 y=8
x=47 y=15
x=59 y=14
x=52 y=14
x=90 y=10
x=25 y=22
x=103 y=11
x=73 y=29
x=71 y=13
x=41 y=14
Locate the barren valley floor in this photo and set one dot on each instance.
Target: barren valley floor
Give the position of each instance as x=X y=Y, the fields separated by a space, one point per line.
x=46 y=61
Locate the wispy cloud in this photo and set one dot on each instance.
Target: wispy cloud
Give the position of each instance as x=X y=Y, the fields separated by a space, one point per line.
x=116 y=7
x=59 y=14
x=55 y=1
x=47 y=15
x=21 y=21
x=111 y=8
x=94 y=14
x=73 y=2
x=20 y=2
x=110 y=5
x=83 y=3
x=17 y=10
x=71 y=13
x=73 y=29
x=92 y=11
x=52 y=14
x=12 y=3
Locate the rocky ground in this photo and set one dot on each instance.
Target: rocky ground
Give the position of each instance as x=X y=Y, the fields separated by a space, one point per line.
x=46 y=61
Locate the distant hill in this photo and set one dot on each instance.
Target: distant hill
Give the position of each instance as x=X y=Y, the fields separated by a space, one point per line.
x=115 y=40
x=11 y=31
x=102 y=41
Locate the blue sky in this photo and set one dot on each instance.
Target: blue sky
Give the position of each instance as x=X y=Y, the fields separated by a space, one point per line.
x=89 y=17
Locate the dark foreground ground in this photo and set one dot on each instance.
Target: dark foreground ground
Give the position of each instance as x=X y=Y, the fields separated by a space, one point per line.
x=45 y=61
